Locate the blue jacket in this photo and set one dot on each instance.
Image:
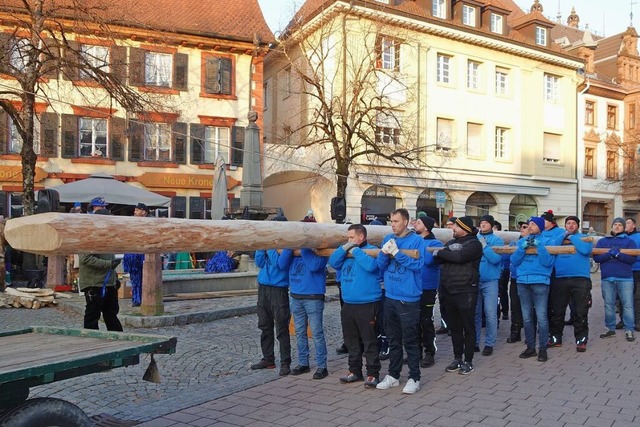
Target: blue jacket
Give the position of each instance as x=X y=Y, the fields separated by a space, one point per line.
x=403 y=274
x=307 y=273
x=635 y=236
x=533 y=268
x=491 y=262
x=270 y=272
x=431 y=269
x=360 y=277
x=573 y=265
x=620 y=267
x=553 y=233
x=513 y=269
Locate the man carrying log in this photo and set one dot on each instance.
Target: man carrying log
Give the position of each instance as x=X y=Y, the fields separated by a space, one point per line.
x=403 y=289
x=572 y=283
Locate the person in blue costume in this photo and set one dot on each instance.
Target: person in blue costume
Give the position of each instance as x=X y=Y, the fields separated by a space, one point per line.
x=617 y=278
x=514 y=299
x=361 y=293
x=572 y=283
x=534 y=276
x=488 y=292
x=307 y=286
x=403 y=289
x=132 y=263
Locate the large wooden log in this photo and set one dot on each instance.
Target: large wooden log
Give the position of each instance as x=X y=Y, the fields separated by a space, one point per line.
x=60 y=234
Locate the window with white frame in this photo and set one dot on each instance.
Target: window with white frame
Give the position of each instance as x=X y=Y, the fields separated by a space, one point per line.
x=389 y=56
x=551 y=151
x=469 y=15
x=387 y=129
x=157 y=142
x=473 y=75
x=541 y=36
x=501 y=144
x=96 y=57
x=551 y=88
x=475 y=146
x=439 y=9
x=287 y=82
x=158 y=69
x=20 y=53
x=93 y=137
x=15 y=140
x=502 y=81
x=443 y=74
x=216 y=143
x=444 y=138
x=496 y=23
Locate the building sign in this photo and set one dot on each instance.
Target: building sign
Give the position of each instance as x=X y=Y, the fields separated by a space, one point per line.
x=181 y=180
x=14 y=174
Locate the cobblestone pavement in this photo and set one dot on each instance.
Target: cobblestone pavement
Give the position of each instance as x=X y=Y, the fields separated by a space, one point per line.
x=207 y=382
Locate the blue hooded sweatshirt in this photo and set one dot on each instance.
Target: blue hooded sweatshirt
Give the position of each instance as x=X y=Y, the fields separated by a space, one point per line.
x=307 y=273
x=635 y=236
x=620 y=266
x=573 y=265
x=360 y=277
x=491 y=262
x=270 y=272
x=513 y=269
x=553 y=233
x=533 y=268
x=403 y=274
x=431 y=269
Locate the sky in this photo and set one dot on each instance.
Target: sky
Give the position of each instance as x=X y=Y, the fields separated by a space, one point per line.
x=604 y=17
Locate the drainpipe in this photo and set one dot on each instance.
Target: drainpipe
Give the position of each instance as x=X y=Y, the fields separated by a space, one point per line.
x=579 y=155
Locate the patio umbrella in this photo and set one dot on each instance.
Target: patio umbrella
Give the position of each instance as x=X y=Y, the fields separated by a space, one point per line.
x=113 y=191
x=219 y=191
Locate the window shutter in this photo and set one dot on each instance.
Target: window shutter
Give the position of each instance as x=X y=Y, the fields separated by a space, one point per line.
x=69 y=136
x=72 y=60
x=51 y=59
x=211 y=75
x=136 y=67
x=181 y=71
x=225 y=76
x=118 y=64
x=3 y=206
x=178 y=207
x=4 y=131
x=136 y=141
x=237 y=145
x=197 y=144
x=49 y=135
x=179 y=136
x=116 y=138
x=196 y=208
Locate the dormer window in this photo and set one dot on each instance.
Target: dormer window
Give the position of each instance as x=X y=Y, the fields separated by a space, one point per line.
x=496 y=23
x=469 y=15
x=541 y=36
x=439 y=9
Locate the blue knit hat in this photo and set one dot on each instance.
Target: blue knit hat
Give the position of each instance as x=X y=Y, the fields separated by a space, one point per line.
x=537 y=220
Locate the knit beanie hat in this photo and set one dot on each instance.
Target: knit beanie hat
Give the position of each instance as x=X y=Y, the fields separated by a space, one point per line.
x=466 y=223
x=619 y=220
x=487 y=218
x=548 y=215
x=428 y=222
x=572 y=218
x=539 y=221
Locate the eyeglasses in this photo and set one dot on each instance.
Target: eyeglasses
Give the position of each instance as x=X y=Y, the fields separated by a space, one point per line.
x=523 y=226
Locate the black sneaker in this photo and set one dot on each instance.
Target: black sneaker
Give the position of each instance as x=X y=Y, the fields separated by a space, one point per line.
x=351 y=378
x=371 y=382
x=320 y=374
x=476 y=349
x=342 y=349
x=427 y=361
x=542 y=355
x=299 y=370
x=454 y=366
x=619 y=325
x=487 y=351
x=529 y=352
x=465 y=368
x=514 y=337
x=263 y=364
x=608 y=334
x=284 y=370
x=505 y=317
x=554 y=342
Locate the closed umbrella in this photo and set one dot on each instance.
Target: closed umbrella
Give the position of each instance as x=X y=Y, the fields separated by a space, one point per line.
x=219 y=194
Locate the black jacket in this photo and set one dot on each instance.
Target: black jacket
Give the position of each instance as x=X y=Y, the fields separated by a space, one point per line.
x=460 y=264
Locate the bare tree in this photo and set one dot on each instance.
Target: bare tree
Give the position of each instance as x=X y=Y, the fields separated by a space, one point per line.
x=354 y=102
x=41 y=49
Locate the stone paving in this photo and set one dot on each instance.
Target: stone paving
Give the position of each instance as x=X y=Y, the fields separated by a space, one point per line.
x=207 y=382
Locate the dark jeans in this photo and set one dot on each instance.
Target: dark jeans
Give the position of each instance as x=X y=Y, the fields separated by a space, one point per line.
x=503 y=292
x=461 y=314
x=578 y=290
x=427 y=330
x=360 y=336
x=636 y=298
x=516 y=309
x=273 y=309
x=401 y=320
x=107 y=306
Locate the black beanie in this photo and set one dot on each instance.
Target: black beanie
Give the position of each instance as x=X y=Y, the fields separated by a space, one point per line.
x=572 y=218
x=428 y=222
x=548 y=215
x=466 y=223
x=487 y=218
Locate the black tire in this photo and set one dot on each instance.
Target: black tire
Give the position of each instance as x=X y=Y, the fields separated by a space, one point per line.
x=45 y=412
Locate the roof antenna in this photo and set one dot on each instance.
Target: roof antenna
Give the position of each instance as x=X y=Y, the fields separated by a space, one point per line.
x=631 y=3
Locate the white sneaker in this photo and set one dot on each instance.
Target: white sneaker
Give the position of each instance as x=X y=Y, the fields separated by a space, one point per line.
x=387 y=383
x=411 y=387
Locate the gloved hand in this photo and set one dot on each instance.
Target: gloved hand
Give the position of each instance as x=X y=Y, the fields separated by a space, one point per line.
x=532 y=242
x=614 y=252
x=523 y=243
x=435 y=253
x=115 y=263
x=483 y=242
x=348 y=246
x=391 y=247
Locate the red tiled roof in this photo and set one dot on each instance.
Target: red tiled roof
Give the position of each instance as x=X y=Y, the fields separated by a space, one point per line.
x=234 y=19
